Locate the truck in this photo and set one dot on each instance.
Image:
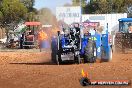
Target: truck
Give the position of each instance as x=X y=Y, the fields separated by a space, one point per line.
x=123 y=38
x=73 y=45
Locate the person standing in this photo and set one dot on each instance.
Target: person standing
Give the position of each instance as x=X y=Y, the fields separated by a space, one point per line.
x=21 y=41
x=41 y=37
x=130 y=29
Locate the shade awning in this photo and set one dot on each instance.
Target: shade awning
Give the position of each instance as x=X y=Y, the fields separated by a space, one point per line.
x=32 y=23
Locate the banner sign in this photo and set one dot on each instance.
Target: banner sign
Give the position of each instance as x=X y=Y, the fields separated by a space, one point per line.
x=68 y=14
x=90 y=24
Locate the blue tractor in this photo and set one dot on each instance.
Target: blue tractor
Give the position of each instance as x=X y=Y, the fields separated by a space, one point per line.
x=123 y=38
x=72 y=45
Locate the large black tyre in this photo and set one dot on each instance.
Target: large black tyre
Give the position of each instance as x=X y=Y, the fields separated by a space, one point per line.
x=56 y=57
x=53 y=50
x=121 y=42
x=119 y=47
x=77 y=59
x=55 y=54
x=90 y=54
x=106 y=55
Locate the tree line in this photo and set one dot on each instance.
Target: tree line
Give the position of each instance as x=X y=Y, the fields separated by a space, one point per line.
x=14 y=11
x=105 y=6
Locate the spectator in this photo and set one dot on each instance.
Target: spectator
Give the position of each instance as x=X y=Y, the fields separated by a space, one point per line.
x=21 y=41
x=130 y=29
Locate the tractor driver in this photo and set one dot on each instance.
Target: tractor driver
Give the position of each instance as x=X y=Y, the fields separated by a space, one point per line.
x=76 y=26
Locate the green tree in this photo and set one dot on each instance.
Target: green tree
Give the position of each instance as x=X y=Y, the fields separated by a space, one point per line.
x=32 y=12
x=108 y=6
x=91 y=8
x=77 y=3
x=81 y=3
x=29 y=4
x=11 y=12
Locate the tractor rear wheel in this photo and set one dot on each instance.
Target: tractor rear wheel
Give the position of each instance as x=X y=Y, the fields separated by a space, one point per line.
x=58 y=58
x=77 y=59
x=90 y=52
x=119 y=47
x=53 y=49
x=54 y=53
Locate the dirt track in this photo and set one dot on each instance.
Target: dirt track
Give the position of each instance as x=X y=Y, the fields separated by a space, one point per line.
x=34 y=70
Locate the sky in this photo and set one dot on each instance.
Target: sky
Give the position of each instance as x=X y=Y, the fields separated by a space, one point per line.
x=52 y=4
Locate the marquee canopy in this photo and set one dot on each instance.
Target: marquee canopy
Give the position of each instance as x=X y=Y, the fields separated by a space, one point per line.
x=32 y=23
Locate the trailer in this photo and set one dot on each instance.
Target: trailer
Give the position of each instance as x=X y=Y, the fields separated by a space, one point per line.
x=72 y=45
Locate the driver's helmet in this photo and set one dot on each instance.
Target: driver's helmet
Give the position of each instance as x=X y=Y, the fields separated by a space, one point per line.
x=66 y=32
x=76 y=25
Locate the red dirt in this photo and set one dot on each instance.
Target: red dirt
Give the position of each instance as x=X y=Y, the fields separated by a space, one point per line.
x=24 y=69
